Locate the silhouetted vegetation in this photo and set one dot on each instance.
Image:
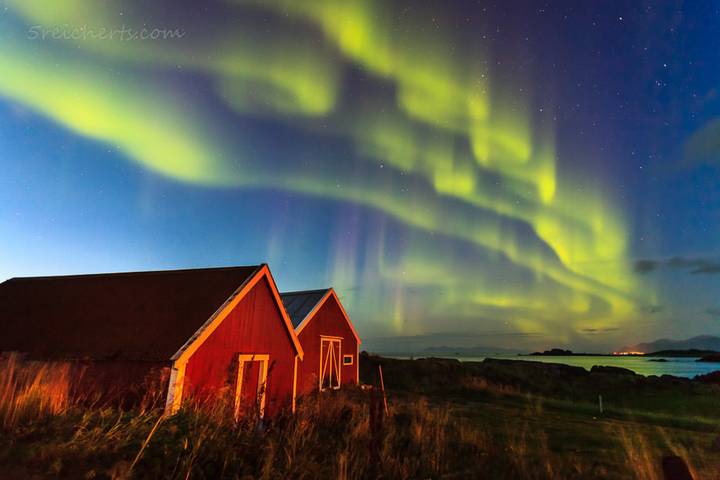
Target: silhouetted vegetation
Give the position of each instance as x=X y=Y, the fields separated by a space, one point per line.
x=446 y=419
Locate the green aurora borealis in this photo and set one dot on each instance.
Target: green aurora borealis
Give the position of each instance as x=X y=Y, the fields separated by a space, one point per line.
x=478 y=225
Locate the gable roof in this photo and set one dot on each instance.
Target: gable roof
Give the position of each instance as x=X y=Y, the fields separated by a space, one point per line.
x=193 y=343
x=300 y=304
x=119 y=316
x=302 y=307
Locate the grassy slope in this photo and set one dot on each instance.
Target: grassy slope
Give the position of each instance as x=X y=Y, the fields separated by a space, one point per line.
x=553 y=411
x=447 y=420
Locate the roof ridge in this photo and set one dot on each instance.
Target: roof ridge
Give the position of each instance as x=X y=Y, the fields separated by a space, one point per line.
x=300 y=292
x=133 y=273
x=145 y=315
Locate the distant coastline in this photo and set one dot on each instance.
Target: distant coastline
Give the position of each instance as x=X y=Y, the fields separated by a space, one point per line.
x=680 y=366
x=701 y=355
x=691 y=352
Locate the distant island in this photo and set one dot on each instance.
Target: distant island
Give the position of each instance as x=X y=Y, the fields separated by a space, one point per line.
x=691 y=352
x=559 y=352
x=711 y=357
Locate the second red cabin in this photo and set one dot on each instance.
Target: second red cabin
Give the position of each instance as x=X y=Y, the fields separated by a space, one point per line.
x=328 y=339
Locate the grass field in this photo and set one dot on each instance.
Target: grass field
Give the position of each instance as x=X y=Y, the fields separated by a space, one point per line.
x=446 y=420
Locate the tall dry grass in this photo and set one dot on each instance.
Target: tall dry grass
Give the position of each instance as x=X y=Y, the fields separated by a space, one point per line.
x=643 y=448
x=31 y=390
x=339 y=434
x=331 y=435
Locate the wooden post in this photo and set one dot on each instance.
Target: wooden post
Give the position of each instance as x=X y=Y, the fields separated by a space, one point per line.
x=382 y=388
x=600 y=404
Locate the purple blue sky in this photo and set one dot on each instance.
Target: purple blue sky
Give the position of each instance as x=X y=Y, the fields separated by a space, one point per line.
x=512 y=175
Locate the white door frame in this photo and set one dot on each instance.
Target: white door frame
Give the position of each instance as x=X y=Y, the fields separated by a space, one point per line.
x=262 y=380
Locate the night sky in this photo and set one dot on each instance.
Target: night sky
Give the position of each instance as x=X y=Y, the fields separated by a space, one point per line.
x=513 y=174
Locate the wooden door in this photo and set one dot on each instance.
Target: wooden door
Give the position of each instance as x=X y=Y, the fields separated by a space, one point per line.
x=330 y=366
x=251 y=385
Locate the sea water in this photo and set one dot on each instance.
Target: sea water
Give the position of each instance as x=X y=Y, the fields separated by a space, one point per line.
x=679 y=367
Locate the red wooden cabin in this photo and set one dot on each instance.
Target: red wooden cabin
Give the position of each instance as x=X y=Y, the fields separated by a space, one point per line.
x=198 y=334
x=328 y=339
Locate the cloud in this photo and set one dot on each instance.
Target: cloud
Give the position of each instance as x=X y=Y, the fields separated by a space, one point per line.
x=703 y=147
x=708 y=269
x=695 y=265
x=645 y=266
x=651 y=309
x=600 y=330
